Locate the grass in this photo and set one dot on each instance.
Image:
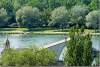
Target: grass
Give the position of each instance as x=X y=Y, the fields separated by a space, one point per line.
x=39 y=31
x=50 y=33
x=34 y=31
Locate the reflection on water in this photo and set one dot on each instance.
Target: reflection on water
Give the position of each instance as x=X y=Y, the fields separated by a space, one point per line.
x=26 y=40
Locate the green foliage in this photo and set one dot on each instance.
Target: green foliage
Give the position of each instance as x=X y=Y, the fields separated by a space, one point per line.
x=59 y=17
x=70 y=3
x=78 y=14
x=8 y=5
x=28 y=16
x=93 y=19
x=87 y=2
x=94 y=5
x=3 y=17
x=8 y=57
x=79 y=49
x=87 y=53
x=27 y=57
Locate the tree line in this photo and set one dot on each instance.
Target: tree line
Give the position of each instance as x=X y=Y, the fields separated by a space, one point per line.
x=49 y=13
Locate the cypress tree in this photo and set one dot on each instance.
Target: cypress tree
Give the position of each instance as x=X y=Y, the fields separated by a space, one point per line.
x=87 y=54
x=79 y=49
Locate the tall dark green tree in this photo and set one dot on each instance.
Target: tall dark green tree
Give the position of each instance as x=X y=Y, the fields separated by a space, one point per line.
x=87 y=53
x=79 y=49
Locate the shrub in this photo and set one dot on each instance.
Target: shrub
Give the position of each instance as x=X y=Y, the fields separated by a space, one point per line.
x=27 y=57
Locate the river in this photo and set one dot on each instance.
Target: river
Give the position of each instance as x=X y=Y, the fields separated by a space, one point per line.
x=29 y=40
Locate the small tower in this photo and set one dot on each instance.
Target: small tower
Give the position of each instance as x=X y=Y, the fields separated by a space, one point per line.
x=7 y=44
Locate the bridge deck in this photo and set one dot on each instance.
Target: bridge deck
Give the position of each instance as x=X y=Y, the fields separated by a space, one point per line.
x=55 y=43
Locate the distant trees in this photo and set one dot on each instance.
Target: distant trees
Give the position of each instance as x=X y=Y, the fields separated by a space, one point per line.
x=59 y=17
x=76 y=11
x=94 y=5
x=3 y=17
x=17 y=4
x=87 y=2
x=27 y=57
x=28 y=16
x=78 y=14
x=8 y=5
x=79 y=49
x=93 y=19
x=70 y=3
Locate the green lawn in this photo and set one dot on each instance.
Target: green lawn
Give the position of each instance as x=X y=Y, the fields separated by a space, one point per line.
x=39 y=31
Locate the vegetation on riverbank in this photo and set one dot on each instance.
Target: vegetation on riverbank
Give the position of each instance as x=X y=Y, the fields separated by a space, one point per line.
x=27 y=57
x=79 y=49
x=49 y=13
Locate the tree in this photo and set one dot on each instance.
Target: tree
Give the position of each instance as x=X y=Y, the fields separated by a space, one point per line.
x=17 y=4
x=79 y=49
x=3 y=17
x=93 y=19
x=28 y=16
x=45 y=18
x=94 y=5
x=70 y=3
x=87 y=53
x=59 y=17
x=8 y=5
x=78 y=14
x=45 y=4
x=87 y=2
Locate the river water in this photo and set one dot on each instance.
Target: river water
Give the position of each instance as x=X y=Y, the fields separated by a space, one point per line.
x=29 y=40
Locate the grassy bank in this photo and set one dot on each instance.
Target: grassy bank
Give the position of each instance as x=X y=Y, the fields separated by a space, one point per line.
x=13 y=29
x=40 y=31
x=32 y=30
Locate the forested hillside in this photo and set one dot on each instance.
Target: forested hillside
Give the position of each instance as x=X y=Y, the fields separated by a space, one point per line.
x=49 y=13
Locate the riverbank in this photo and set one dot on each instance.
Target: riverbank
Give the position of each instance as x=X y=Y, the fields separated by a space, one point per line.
x=32 y=32
x=44 y=31
x=37 y=33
